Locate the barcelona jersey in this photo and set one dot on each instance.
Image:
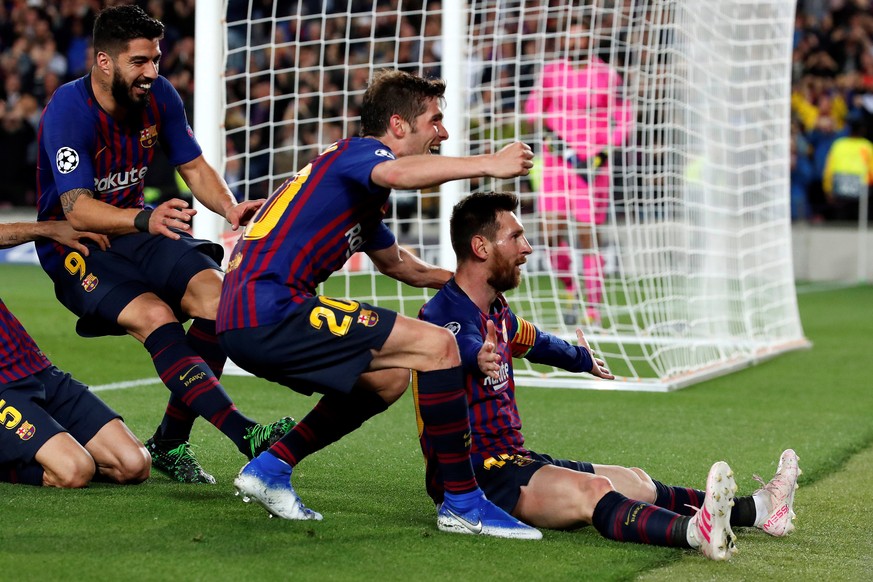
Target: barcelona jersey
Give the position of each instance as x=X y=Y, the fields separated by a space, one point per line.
x=82 y=146
x=307 y=229
x=494 y=419
x=19 y=355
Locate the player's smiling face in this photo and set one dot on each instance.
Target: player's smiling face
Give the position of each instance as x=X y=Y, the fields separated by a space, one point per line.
x=428 y=132
x=135 y=70
x=510 y=250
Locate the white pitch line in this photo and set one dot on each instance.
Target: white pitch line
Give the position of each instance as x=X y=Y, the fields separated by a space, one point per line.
x=126 y=384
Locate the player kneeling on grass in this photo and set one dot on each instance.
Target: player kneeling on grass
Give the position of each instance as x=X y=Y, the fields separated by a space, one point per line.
x=622 y=503
x=57 y=433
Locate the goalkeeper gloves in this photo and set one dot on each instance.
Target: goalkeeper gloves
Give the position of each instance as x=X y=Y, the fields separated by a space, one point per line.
x=560 y=148
x=582 y=166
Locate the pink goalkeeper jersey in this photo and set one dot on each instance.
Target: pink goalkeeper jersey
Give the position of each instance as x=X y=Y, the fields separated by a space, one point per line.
x=583 y=106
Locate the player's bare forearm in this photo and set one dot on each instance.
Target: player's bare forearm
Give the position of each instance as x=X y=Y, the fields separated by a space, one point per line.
x=398 y=263
x=16 y=233
x=207 y=186
x=212 y=191
x=85 y=213
x=424 y=171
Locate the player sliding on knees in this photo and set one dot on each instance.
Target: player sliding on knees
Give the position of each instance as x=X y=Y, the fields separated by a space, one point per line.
x=622 y=503
x=272 y=323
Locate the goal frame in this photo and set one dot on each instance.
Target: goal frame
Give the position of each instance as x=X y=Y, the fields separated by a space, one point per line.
x=209 y=123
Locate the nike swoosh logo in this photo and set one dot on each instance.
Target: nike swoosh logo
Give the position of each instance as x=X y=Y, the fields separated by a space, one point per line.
x=475 y=528
x=103 y=149
x=184 y=374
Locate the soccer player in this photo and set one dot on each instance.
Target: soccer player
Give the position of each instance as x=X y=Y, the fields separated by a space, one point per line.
x=272 y=322
x=577 y=101
x=97 y=137
x=622 y=503
x=58 y=433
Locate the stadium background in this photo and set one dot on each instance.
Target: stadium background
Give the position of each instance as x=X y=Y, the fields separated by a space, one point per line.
x=45 y=43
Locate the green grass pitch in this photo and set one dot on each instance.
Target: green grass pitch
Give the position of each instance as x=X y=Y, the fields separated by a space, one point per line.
x=379 y=524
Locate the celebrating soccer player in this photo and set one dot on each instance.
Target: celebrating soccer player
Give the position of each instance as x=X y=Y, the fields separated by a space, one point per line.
x=59 y=434
x=97 y=138
x=623 y=504
x=272 y=323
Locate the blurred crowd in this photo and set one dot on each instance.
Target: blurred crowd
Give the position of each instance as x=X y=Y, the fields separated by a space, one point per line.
x=831 y=103
x=45 y=43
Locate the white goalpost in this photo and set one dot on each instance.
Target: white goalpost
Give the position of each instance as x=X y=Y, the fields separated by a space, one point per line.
x=659 y=206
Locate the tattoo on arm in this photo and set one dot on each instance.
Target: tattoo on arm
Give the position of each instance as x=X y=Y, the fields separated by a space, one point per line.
x=68 y=198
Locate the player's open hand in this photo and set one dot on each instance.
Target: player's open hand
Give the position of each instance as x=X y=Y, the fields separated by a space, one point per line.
x=173 y=213
x=240 y=214
x=488 y=358
x=516 y=159
x=62 y=232
x=599 y=367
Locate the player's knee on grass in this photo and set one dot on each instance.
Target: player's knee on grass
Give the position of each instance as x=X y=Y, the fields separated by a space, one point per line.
x=71 y=471
x=119 y=455
x=133 y=466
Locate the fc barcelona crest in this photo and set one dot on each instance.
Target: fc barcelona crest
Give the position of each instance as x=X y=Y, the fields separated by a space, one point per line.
x=26 y=431
x=368 y=318
x=149 y=136
x=89 y=283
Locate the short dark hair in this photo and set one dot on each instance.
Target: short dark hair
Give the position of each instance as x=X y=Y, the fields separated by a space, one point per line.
x=396 y=92
x=477 y=215
x=116 y=26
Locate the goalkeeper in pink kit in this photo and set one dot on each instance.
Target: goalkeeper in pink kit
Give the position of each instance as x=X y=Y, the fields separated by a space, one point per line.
x=577 y=103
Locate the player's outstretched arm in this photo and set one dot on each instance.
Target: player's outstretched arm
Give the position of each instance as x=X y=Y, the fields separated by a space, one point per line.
x=212 y=191
x=17 y=233
x=599 y=366
x=426 y=170
x=398 y=263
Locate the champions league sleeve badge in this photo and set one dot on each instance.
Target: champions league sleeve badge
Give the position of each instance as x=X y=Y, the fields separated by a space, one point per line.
x=67 y=160
x=453 y=326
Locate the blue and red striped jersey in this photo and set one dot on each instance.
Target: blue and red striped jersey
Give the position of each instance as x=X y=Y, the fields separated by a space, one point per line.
x=494 y=419
x=307 y=229
x=82 y=146
x=19 y=355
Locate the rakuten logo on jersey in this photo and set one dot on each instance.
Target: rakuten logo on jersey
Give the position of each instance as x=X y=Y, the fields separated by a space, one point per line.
x=120 y=180
x=353 y=235
x=502 y=380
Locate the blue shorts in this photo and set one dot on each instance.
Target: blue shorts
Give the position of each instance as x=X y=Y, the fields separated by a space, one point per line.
x=36 y=408
x=325 y=344
x=503 y=477
x=98 y=287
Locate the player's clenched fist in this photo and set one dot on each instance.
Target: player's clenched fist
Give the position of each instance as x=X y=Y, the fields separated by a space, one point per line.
x=516 y=159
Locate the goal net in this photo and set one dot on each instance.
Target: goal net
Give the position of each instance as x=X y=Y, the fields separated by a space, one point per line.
x=658 y=210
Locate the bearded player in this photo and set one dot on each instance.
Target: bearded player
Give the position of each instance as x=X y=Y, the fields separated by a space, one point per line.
x=97 y=138
x=622 y=503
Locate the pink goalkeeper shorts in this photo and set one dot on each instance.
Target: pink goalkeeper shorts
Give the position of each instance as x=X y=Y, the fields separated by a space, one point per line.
x=566 y=193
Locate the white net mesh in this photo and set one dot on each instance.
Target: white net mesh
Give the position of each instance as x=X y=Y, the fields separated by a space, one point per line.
x=659 y=209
